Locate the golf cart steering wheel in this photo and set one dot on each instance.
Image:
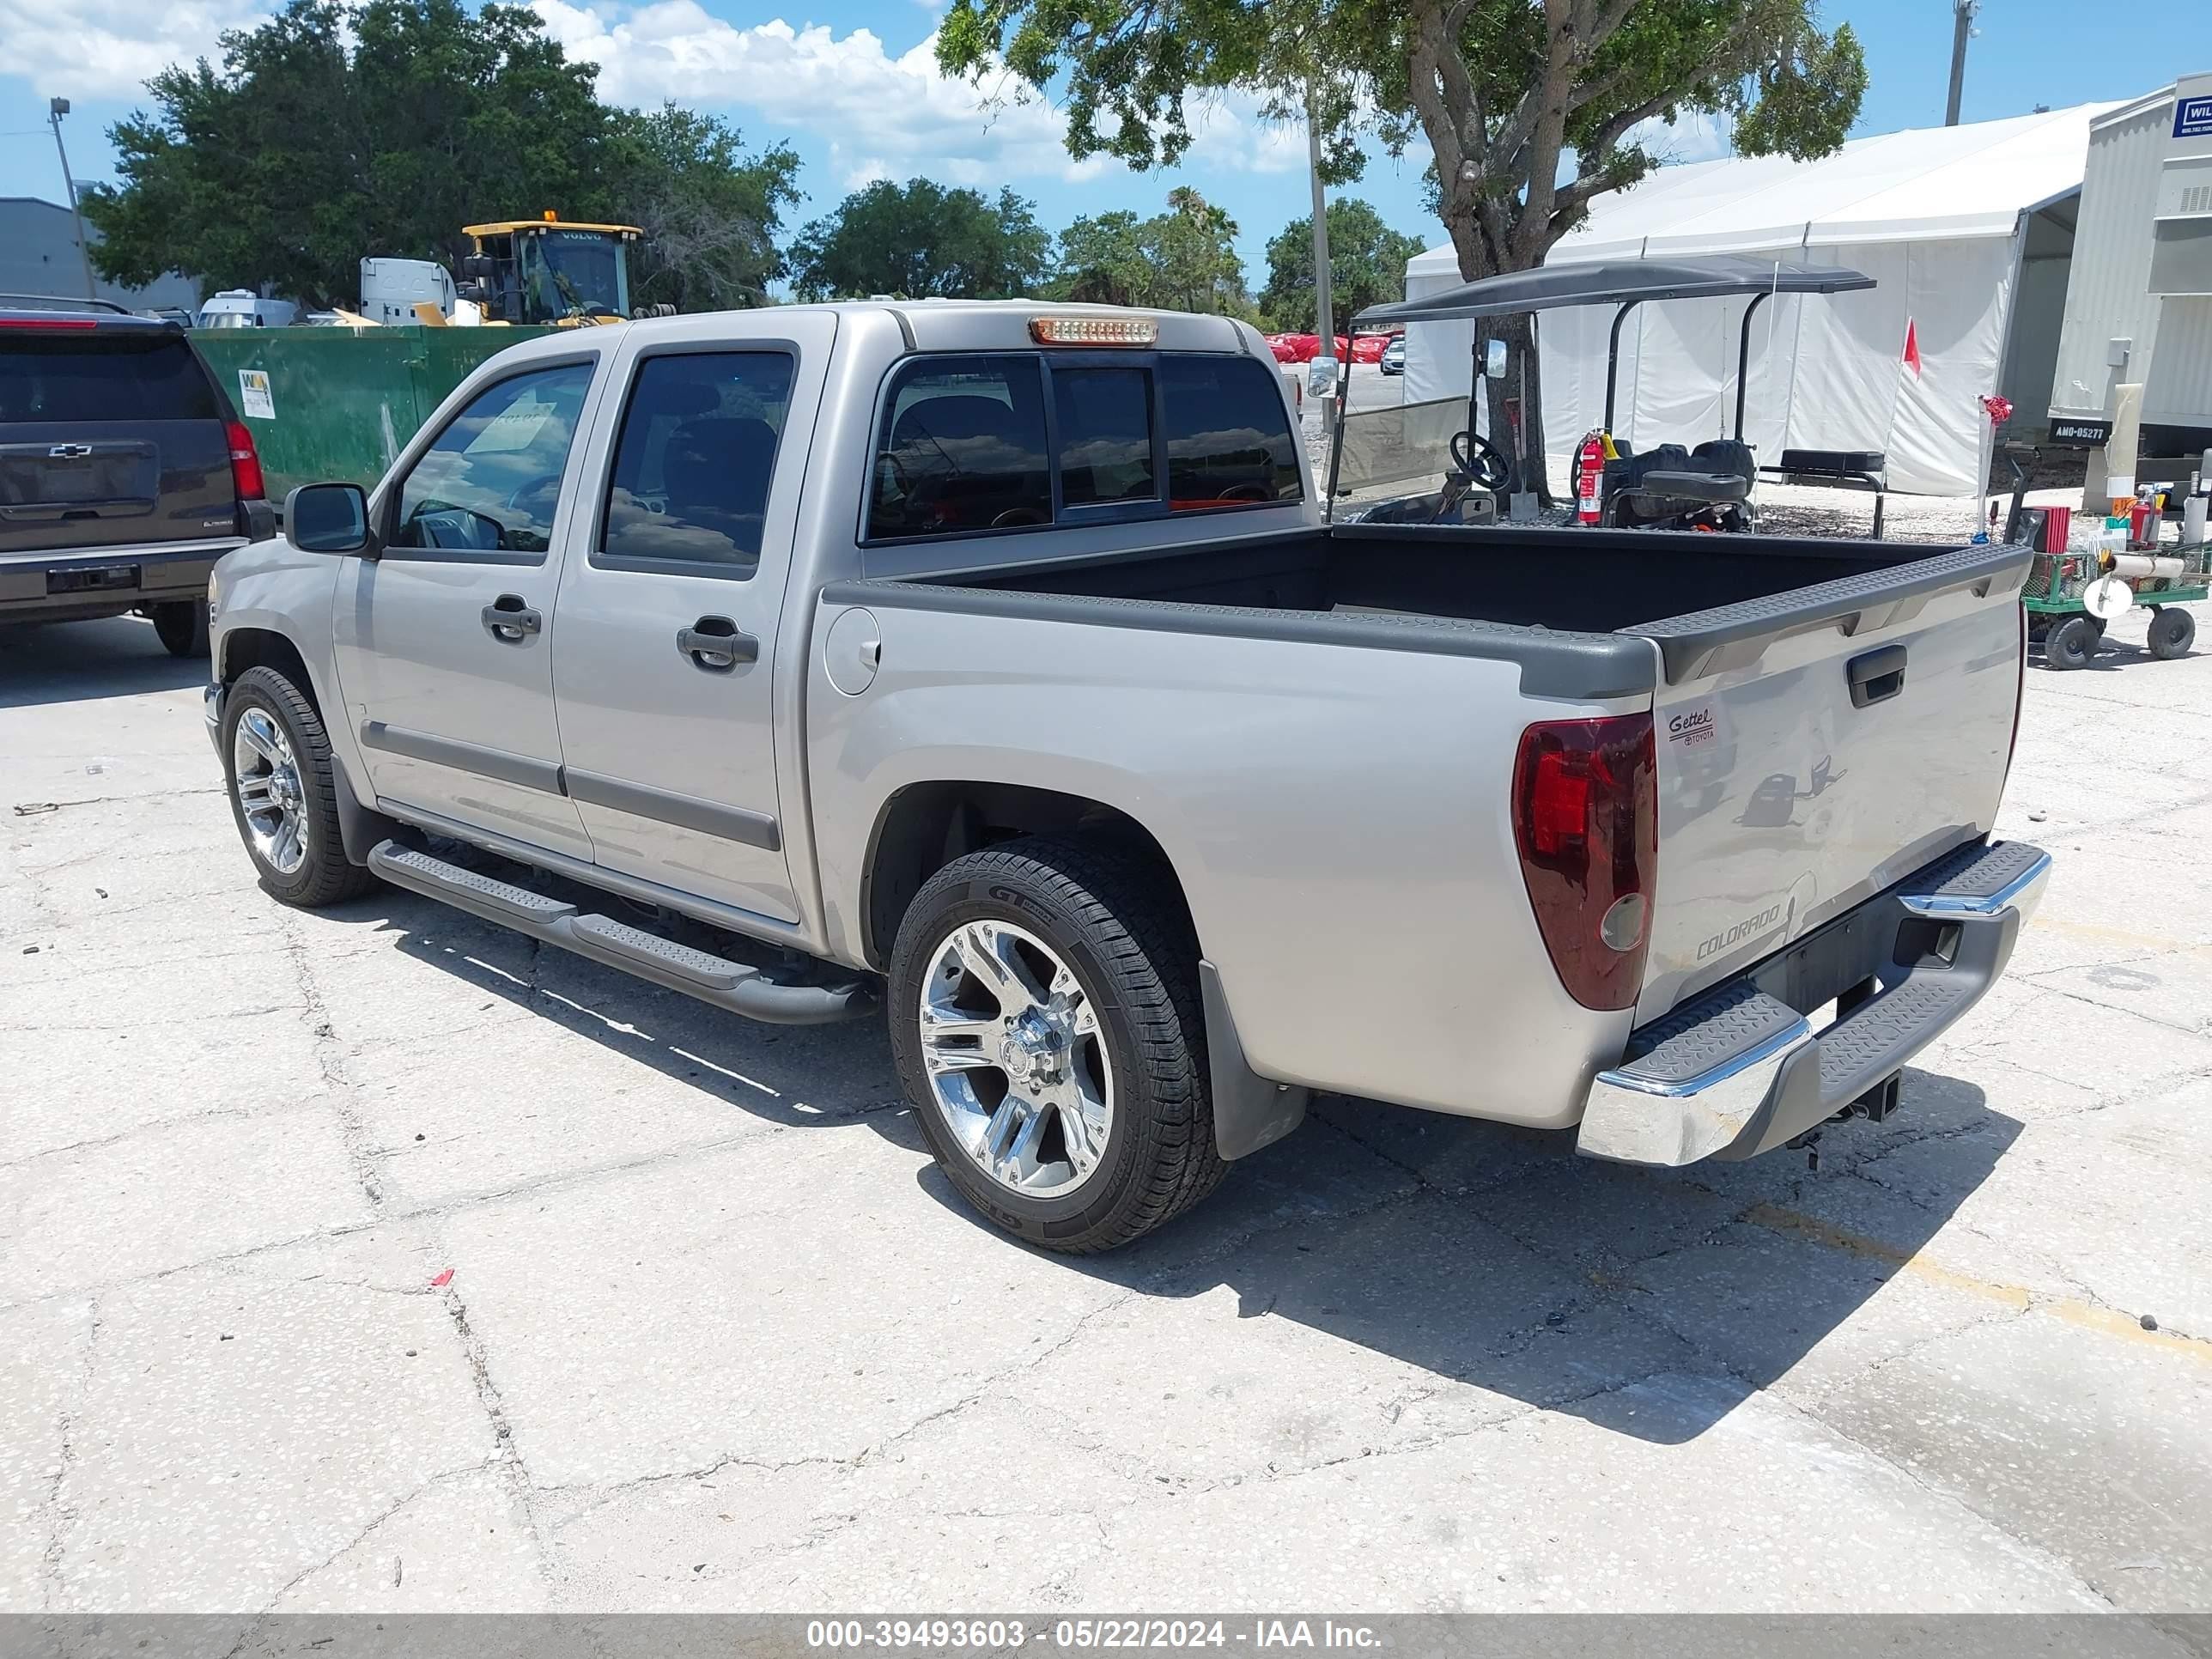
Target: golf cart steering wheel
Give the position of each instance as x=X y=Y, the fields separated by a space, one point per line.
x=1488 y=467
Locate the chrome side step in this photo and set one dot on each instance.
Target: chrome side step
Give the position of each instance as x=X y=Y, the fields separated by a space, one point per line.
x=737 y=986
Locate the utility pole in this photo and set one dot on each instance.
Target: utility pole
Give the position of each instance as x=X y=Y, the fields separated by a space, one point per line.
x=56 y=108
x=1324 y=324
x=1962 y=28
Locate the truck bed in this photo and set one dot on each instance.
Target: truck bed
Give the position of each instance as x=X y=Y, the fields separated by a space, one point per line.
x=1584 y=581
x=1827 y=716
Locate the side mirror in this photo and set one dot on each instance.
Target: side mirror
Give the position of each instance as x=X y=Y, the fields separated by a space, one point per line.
x=477 y=267
x=327 y=518
x=1493 y=360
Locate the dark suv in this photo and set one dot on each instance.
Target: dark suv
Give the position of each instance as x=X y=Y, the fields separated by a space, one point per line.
x=125 y=473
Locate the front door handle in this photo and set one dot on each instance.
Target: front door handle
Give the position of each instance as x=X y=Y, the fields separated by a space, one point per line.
x=509 y=619
x=715 y=644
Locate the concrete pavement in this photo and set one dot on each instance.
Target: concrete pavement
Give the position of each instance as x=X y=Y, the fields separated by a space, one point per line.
x=717 y=1337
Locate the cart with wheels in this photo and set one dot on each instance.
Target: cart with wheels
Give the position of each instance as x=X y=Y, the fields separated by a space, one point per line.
x=2062 y=609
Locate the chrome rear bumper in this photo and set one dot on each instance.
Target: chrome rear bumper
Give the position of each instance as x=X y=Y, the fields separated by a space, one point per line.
x=1740 y=1071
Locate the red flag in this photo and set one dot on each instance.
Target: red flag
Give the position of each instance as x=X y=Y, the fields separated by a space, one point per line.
x=1913 y=347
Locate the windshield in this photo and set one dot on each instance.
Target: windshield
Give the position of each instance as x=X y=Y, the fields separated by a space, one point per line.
x=573 y=273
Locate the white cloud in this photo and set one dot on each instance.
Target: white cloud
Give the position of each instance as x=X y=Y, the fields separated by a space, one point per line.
x=848 y=87
x=874 y=105
x=111 y=48
x=885 y=115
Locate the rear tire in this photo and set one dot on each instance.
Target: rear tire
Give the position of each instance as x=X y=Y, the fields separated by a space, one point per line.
x=182 y=625
x=2172 y=631
x=1109 y=917
x=322 y=874
x=2071 y=643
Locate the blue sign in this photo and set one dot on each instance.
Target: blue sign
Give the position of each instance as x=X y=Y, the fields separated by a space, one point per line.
x=2192 y=118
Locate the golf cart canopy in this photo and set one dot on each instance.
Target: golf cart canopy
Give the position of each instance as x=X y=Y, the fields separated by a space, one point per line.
x=1625 y=284
x=1617 y=283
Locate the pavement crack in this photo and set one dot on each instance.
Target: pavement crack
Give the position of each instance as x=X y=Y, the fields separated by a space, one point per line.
x=330 y=1059
x=375 y=1524
x=63 y=1514
x=507 y=1456
x=39 y=809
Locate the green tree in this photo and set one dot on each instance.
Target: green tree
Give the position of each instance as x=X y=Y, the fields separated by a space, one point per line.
x=709 y=212
x=1183 y=259
x=1104 y=261
x=1366 y=266
x=920 y=240
x=1530 y=107
x=1194 y=244
x=335 y=132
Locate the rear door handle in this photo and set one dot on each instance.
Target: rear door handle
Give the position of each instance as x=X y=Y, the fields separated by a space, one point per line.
x=715 y=644
x=1877 y=676
x=507 y=618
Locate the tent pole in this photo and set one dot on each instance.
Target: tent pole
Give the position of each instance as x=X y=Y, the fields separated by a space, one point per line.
x=1743 y=359
x=1612 y=358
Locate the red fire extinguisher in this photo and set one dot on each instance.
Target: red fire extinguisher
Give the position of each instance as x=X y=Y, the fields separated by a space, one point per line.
x=1590 y=477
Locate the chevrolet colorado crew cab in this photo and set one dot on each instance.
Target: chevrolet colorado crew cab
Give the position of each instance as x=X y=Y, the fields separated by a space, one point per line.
x=996 y=663
x=124 y=472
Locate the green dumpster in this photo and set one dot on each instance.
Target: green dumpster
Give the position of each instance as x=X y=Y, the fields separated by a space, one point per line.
x=341 y=403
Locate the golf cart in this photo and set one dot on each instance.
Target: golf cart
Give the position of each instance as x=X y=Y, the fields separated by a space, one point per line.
x=1668 y=486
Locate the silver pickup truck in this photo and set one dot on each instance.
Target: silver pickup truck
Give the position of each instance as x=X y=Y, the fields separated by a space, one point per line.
x=997 y=663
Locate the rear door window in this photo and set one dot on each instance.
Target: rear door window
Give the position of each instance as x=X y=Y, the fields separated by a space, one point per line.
x=98 y=374
x=693 y=462
x=1229 y=440
x=962 y=449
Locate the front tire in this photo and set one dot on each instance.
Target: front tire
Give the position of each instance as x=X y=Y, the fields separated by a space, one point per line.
x=182 y=626
x=277 y=760
x=1045 y=1018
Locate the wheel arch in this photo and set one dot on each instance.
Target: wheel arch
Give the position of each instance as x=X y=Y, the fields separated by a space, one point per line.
x=249 y=646
x=925 y=826
x=264 y=647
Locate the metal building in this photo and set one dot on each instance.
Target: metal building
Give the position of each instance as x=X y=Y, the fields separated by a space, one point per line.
x=39 y=255
x=2139 y=308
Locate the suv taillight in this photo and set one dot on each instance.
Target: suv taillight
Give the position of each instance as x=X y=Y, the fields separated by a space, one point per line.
x=1586 y=820
x=244 y=463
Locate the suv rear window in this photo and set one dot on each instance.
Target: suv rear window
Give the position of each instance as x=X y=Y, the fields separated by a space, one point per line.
x=964 y=444
x=96 y=376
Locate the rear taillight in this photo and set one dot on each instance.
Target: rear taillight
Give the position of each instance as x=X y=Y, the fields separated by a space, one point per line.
x=1586 y=819
x=244 y=463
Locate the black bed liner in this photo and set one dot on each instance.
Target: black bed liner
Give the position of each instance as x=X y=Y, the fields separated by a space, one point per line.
x=1580 y=611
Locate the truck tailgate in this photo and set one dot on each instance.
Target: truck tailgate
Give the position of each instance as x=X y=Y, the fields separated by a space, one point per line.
x=1816 y=747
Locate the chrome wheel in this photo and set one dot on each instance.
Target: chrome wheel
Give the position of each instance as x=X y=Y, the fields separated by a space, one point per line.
x=1018 y=1067
x=270 y=797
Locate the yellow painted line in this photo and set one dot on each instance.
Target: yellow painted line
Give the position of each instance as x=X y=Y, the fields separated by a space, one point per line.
x=2074 y=1311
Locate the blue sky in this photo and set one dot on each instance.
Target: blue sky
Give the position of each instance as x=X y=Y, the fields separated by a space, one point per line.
x=851 y=84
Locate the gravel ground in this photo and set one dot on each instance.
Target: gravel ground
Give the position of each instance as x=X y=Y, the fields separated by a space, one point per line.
x=377 y=1261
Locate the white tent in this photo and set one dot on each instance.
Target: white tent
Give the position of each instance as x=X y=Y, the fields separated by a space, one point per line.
x=1967 y=230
